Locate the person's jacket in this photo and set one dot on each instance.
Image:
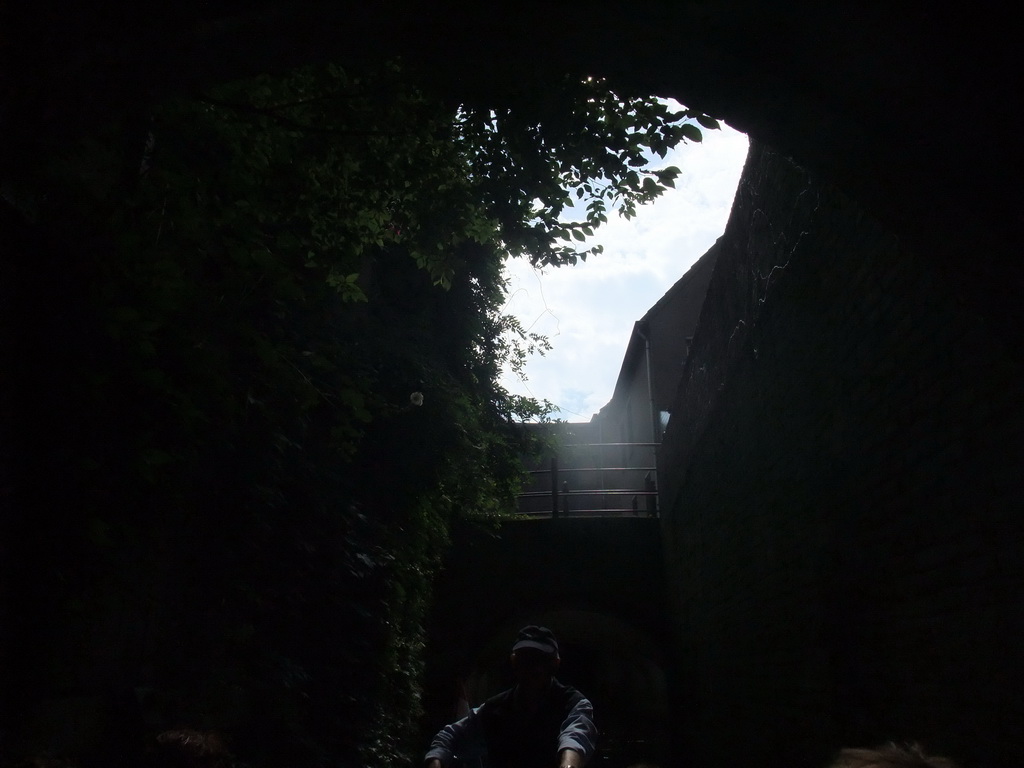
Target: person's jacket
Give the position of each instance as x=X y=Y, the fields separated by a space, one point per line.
x=507 y=736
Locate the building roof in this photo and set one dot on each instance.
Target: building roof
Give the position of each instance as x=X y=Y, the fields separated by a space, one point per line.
x=669 y=322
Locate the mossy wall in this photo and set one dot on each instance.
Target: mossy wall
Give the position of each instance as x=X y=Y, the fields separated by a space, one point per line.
x=842 y=497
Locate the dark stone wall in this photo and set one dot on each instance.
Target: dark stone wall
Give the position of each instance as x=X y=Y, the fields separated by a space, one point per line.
x=842 y=508
x=657 y=345
x=678 y=310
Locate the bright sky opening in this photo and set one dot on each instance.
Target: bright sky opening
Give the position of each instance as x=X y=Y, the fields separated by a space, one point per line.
x=587 y=311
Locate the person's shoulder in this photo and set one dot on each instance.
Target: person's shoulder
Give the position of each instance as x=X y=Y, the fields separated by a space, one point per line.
x=497 y=702
x=561 y=687
x=566 y=693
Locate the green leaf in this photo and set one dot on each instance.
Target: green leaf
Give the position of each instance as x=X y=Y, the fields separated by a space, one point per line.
x=691 y=132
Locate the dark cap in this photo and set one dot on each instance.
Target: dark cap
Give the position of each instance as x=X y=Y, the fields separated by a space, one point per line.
x=538 y=638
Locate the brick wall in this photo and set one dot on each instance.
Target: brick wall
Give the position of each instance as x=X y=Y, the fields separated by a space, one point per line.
x=842 y=508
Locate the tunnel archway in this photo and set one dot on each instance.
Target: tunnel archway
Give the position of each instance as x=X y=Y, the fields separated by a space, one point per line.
x=865 y=95
x=836 y=101
x=620 y=668
x=605 y=602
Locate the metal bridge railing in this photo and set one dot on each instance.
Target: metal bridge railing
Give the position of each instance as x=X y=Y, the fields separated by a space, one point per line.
x=641 y=499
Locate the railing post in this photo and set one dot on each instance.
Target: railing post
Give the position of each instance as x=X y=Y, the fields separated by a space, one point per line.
x=554 y=486
x=625 y=500
x=652 y=501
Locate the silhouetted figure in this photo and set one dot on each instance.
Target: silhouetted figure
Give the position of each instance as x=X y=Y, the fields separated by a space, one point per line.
x=538 y=723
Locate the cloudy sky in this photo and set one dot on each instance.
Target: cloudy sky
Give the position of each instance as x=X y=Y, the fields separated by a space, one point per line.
x=588 y=311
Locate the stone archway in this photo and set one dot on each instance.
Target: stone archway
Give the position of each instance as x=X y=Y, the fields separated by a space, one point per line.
x=605 y=601
x=618 y=666
x=880 y=102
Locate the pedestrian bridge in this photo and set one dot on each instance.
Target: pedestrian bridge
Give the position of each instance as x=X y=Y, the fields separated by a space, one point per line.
x=601 y=479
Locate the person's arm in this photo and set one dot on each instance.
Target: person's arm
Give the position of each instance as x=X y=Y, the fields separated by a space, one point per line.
x=578 y=738
x=463 y=739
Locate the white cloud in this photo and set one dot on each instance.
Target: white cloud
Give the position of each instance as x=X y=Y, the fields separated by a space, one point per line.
x=588 y=310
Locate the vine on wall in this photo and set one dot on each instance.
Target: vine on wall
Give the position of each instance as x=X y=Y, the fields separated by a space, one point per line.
x=288 y=385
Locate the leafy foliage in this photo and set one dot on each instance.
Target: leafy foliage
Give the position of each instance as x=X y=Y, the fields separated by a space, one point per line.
x=575 y=143
x=291 y=384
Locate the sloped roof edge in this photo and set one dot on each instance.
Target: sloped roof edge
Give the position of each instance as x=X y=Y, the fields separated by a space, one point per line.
x=635 y=347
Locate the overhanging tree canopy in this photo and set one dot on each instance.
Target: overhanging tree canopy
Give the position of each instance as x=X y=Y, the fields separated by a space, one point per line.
x=291 y=313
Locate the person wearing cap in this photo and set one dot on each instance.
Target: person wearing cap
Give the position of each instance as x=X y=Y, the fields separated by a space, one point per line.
x=538 y=723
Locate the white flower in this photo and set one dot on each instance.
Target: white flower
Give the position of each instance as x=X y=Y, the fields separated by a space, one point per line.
x=416 y=398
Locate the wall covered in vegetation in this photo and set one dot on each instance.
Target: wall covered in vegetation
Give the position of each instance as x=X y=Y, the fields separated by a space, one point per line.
x=842 y=481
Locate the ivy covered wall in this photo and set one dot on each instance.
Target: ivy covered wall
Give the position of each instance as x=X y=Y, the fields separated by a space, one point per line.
x=842 y=496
